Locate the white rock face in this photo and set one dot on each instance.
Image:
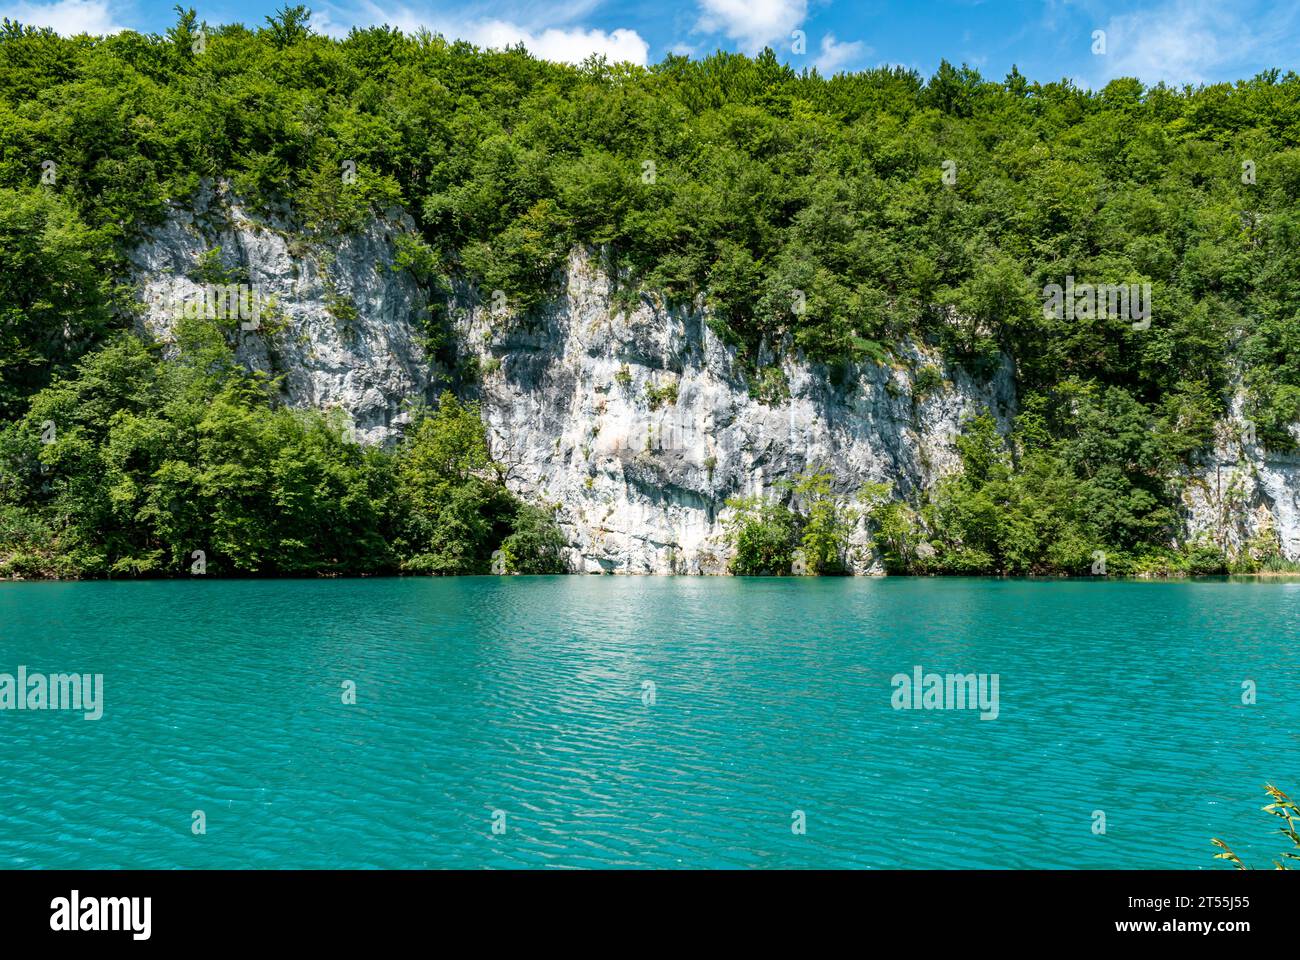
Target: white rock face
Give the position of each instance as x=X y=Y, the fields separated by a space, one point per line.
x=640 y=424
x=640 y=481
x=1241 y=494
x=340 y=325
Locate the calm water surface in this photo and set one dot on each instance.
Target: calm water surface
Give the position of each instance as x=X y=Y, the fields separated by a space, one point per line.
x=525 y=695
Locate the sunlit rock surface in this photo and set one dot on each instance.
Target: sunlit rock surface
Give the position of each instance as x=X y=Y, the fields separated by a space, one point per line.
x=636 y=423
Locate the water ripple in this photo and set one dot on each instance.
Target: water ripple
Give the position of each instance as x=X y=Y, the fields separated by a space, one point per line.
x=522 y=698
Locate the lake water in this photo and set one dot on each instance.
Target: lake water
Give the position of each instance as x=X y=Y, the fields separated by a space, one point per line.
x=523 y=703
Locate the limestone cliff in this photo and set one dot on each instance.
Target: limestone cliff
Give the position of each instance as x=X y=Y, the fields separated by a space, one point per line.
x=640 y=423
x=637 y=421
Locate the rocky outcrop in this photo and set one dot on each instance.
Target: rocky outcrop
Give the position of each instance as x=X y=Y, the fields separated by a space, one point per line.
x=640 y=423
x=1242 y=497
x=637 y=422
x=335 y=320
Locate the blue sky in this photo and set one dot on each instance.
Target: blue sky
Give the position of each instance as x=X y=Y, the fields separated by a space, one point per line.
x=1178 y=41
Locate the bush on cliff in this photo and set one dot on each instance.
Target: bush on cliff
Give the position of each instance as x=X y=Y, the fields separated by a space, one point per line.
x=132 y=464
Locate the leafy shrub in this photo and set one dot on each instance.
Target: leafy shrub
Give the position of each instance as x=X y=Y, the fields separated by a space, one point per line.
x=658 y=396
x=763 y=535
x=152 y=460
x=1285 y=810
x=536 y=544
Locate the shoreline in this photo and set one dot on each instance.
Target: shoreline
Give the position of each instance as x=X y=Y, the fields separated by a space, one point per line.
x=1035 y=578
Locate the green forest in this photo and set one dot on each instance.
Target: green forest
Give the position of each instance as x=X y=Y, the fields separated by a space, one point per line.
x=894 y=206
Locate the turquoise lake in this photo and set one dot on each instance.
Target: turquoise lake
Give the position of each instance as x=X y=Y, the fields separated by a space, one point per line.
x=527 y=697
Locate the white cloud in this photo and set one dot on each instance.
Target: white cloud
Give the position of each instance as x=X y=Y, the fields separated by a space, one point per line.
x=67 y=17
x=546 y=34
x=323 y=23
x=753 y=24
x=569 y=45
x=835 y=55
x=1189 y=41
